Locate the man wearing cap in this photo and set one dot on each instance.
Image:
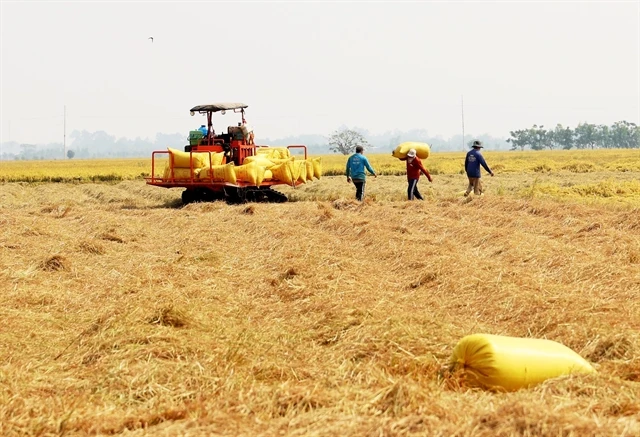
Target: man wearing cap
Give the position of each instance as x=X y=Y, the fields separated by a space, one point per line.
x=355 y=171
x=414 y=168
x=472 y=164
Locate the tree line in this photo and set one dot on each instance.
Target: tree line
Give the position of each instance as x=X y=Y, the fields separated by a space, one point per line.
x=620 y=135
x=100 y=144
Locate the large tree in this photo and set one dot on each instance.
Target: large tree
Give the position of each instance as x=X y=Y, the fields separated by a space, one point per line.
x=586 y=136
x=563 y=136
x=345 y=141
x=540 y=138
x=625 y=135
x=519 y=139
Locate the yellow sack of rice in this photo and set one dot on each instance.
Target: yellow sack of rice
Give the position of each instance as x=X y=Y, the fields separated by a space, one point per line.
x=183 y=159
x=309 y=172
x=180 y=173
x=251 y=173
x=300 y=171
x=260 y=175
x=268 y=175
x=422 y=150
x=280 y=160
x=496 y=362
x=261 y=160
x=265 y=151
x=283 y=152
x=317 y=167
x=219 y=173
x=283 y=172
x=217 y=158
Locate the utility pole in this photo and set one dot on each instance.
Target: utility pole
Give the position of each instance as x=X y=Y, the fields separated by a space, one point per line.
x=462 y=106
x=64 y=134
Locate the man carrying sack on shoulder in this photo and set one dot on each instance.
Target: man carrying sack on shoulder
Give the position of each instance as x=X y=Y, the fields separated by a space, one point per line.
x=414 y=168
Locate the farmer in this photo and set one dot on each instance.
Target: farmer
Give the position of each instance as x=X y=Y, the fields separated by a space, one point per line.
x=355 y=171
x=414 y=168
x=472 y=164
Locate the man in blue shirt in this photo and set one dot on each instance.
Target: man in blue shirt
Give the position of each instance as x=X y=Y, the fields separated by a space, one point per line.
x=355 y=171
x=472 y=164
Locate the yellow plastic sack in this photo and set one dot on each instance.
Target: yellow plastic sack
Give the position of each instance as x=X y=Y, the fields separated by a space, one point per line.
x=182 y=159
x=273 y=152
x=502 y=363
x=280 y=160
x=422 y=150
x=309 y=172
x=283 y=172
x=285 y=153
x=217 y=158
x=317 y=167
x=180 y=173
x=268 y=175
x=219 y=173
x=300 y=171
x=251 y=173
x=261 y=160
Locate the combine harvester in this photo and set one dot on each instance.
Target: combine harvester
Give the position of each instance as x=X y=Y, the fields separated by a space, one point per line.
x=229 y=166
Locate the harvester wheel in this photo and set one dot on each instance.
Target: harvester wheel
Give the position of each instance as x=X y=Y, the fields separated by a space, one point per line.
x=253 y=194
x=275 y=196
x=188 y=196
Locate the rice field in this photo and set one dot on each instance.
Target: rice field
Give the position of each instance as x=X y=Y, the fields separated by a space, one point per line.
x=126 y=313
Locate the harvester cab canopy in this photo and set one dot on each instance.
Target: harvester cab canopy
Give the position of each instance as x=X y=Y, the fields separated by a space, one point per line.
x=222 y=108
x=215 y=107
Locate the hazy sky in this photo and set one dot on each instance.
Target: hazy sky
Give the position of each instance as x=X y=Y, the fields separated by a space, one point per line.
x=309 y=67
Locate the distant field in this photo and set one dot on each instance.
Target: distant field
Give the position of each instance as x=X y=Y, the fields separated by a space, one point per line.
x=576 y=161
x=600 y=176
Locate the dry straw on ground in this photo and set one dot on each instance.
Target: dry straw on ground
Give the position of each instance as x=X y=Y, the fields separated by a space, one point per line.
x=317 y=317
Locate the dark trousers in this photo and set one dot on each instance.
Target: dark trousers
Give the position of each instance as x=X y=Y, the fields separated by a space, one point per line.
x=359 y=188
x=412 y=190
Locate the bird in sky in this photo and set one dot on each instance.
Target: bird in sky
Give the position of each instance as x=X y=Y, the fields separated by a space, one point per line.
x=151 y=38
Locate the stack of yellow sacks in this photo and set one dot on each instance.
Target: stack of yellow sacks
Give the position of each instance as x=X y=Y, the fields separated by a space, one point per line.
x=288 y=170
x=183 y=162
x=273 y=163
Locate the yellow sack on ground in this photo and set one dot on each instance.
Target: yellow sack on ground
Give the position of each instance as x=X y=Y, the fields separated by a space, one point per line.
x=422 y=150
x=502 y=363
x=309 y=172
x=261 y=160
x=219 y=173
x=317 y=167
x=251 y=173
x=283 y=172
x=183 y=159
